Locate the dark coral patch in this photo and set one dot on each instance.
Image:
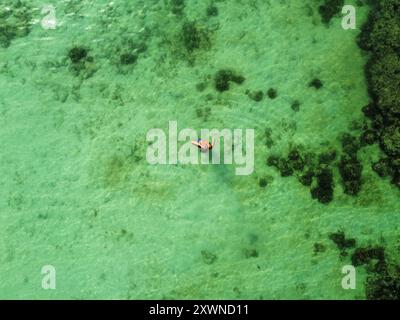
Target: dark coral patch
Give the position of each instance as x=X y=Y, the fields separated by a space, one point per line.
x=269 y=142
x=350 y=144
x=325 y=186
x=81 y=63
x=390 y=140
x=128 y=58
x=383 y=279
x=383 y=285
x=350 y=169
x=329 y=9
x=379 y=37
x=296 y=160
x=316 y=83
x=319 y=248
x=306 y=178
x=327 y=157
x=368 y=137
x=263 y=182
x=273 y=161
x=177 y=7
x=363 y=256
x=223 y=78
x=191 y=36
x=77 y=54
x=208 y=257
x=15 y=22
x=382 y=167
x=295 y=106
x=195 y=36
x=256 y=95
x=272 y=93
x=341 y=241
x=212 y=11
x=285 y=168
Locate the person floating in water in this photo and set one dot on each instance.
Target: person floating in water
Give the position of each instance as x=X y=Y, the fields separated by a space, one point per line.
x=204 y=145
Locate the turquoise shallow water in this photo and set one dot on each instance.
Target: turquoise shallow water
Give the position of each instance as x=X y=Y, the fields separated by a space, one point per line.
x=78 y=194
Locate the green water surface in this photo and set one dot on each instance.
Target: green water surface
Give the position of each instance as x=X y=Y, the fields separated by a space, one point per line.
x=77 y=193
